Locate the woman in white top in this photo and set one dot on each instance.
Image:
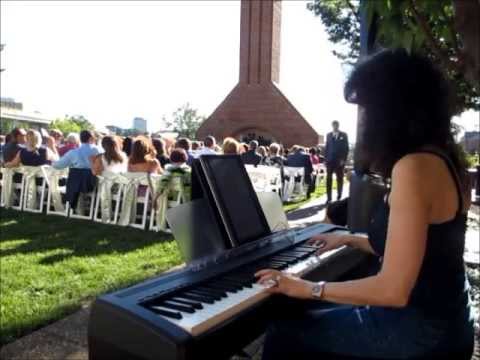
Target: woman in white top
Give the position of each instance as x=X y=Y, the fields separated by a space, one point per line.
x=112 y=160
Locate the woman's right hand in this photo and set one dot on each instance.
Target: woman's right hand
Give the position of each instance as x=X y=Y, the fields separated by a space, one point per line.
x=326 y=242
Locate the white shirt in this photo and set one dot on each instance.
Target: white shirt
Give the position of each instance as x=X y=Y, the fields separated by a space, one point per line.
x=115 y=167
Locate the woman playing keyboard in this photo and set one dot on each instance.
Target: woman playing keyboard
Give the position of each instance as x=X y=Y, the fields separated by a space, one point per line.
x=417 y=305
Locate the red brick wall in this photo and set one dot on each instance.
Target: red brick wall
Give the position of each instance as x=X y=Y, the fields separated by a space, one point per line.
x=256 y=103
x=262 y=107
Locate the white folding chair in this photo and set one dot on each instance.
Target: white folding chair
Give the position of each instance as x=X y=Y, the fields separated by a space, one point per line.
x=56 y=180
x=259 y=177
x=1 y=187
x=136 y=193
x=300 y=188
x=85 y=206
x=292 y=188
x=321 y=173
x=7 y=187
x=85 y=202
x=274 y=179
x=33 y=193
x=110 y=187
x=17 y=189
x=173 y=194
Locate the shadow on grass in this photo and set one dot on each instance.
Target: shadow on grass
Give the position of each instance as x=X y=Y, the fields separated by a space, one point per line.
x=72 y=237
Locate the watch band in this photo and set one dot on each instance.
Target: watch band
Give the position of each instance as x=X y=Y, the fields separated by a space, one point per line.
x=318 y=289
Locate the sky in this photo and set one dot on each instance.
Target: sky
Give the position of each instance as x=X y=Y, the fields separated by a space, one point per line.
x=112 y=61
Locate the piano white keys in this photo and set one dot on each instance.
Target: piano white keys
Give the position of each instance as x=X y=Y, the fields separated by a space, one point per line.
x=221 y=310
x=305 y=266
x=212 y=314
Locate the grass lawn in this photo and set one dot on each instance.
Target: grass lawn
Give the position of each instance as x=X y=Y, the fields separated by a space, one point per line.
x=320 y=191
x=50 y=265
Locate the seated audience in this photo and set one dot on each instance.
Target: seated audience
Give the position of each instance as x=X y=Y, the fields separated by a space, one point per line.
x=143 y=157
x=178 y=159
x=251 y=157
x=275 y=159
x=81 y=157
x=33 y=154
x=184 y=143
x=177 y=168
x=230 y=146
x=195 y=146
x=80 y=178
x=209 y=146
x=313 y=156
x=127 y=145
x=99 y=137
x=12 y=147
x=169 y=144
x=159 y=145
x=243 y=148
x=263 y=152
x=112 y=160
x=72 y=142
x=57 y=136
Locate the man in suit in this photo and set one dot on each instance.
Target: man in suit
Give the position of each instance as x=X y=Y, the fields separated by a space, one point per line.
x=251 y=157
x=299 y=158
x=336 y=151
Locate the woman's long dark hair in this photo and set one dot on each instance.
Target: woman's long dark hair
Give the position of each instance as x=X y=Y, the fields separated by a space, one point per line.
x=112 y=152
x=406 y=105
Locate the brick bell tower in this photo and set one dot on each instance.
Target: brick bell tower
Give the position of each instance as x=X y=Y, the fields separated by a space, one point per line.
x=256 y=105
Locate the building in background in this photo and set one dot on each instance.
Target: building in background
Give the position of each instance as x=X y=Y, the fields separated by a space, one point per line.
x=115 y=130
x=140 y=124
x=256 y=108
x=13 y=114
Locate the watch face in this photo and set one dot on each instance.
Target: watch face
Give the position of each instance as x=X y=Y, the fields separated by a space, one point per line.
x=316 y=290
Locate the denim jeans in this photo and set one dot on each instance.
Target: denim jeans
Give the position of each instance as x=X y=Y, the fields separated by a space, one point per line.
x=308 y=330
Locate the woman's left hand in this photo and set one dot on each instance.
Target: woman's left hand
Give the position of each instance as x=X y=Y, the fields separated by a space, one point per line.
x=285 y=284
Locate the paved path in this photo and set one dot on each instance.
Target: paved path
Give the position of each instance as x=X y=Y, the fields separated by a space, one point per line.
x=65 y=339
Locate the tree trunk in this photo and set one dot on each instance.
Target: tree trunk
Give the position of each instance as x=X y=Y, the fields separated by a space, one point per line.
x=467 y=24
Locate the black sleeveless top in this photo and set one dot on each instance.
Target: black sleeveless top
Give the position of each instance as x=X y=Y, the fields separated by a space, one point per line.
x=34 y=158
x=441 y=290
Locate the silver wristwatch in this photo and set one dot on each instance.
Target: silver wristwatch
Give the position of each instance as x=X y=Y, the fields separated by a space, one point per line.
x=317 y=290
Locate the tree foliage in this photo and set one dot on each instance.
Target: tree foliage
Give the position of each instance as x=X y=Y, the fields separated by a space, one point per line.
x=432 y=28
x=70 y=124
x=6 y=126
x=185 y=121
